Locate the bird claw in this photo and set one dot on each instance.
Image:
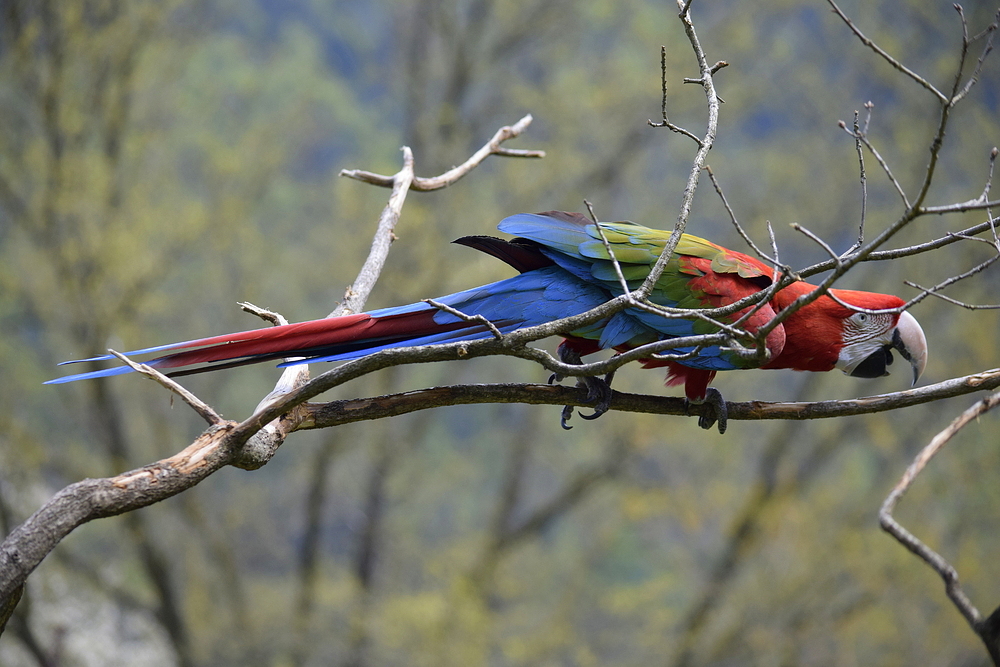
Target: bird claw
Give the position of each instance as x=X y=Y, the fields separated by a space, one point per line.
x=598 y=392
x=719 y=412
x=567 y=412
x=598 y=389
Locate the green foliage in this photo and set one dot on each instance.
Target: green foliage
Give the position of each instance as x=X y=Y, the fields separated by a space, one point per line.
x=162 y=161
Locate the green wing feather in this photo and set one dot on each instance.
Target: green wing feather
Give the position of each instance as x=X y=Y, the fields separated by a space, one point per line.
x=700 y=274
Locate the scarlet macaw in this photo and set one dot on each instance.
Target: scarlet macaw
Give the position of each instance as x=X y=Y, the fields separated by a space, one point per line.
x=566 y=270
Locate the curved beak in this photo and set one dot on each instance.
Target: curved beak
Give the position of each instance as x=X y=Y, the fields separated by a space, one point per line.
x=908 y=339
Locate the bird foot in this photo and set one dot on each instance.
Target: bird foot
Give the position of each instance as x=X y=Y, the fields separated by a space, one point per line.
x=598 y=392
x=718 y=412
x=598 y=389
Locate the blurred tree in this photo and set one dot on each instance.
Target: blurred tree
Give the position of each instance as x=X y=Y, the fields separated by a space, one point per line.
x=160 y=161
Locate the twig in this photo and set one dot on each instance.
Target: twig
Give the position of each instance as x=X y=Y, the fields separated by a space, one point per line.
x=979 y=268
x=859 y=135
x=986 y=193
x=736 y=223
x=277 y=319
x=959 y=207
x=715 y=68
x=466 y=318
x=889 y=59
x=663 y=100
x=611 y=253
x=883 y=255
x=820 y=242
x=492 y=147
x=930 y=291
x=864 y=179
x=196 y=404
x=989 y=33
x=777 y=258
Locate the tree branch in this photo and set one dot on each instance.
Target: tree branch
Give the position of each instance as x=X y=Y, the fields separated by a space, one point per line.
x=492 y=147
x=989 y=632
x=335 y=413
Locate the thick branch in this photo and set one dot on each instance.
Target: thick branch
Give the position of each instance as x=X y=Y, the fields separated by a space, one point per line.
x=26 y=546
x=91 y=499
x=335 y=413
x=357 y=293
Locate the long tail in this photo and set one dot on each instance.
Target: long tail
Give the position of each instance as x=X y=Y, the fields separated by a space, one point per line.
x=333 y=339
x=525 y=300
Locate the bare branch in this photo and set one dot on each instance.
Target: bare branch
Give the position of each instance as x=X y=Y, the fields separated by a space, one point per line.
x=357 y=293
x=777 y=258
x=196 y=404
x=960 y=207
x=820 y=242
x=859 y=135
x=739 y=228
x=276 y=319
x=889 y=59
x=492 y=147
x=222 y=445
x=864 y=179
x=335 y=413
x=665 y=122
x=989 y=33
x=466 y=318
x=611 y=253
x=698 y=163
x=915 y=545
x=882 y=255
x=931 y=292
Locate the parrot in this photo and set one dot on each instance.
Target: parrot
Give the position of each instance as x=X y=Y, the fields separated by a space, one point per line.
x=565 y=269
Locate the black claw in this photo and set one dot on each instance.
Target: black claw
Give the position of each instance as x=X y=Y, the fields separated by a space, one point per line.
x=567 y=412
x=718 y=413
x=598 y=391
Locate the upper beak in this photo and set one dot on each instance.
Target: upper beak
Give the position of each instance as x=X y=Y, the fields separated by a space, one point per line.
x=908 y=339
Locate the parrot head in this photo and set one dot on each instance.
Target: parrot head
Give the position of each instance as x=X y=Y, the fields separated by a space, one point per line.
x=868 y=340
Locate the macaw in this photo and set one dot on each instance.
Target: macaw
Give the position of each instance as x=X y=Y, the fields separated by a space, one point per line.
x=565 y=270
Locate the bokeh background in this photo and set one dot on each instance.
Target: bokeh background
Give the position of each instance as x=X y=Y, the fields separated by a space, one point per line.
x=160 y=161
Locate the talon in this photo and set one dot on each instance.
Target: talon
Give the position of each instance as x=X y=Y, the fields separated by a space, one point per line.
x=567 y=412
x=718 y=412
x=598 y=392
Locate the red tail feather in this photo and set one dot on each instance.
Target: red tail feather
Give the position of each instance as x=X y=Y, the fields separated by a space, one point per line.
x=313 y=338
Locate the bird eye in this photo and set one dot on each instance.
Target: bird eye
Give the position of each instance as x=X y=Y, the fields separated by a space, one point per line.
x=860 y=318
